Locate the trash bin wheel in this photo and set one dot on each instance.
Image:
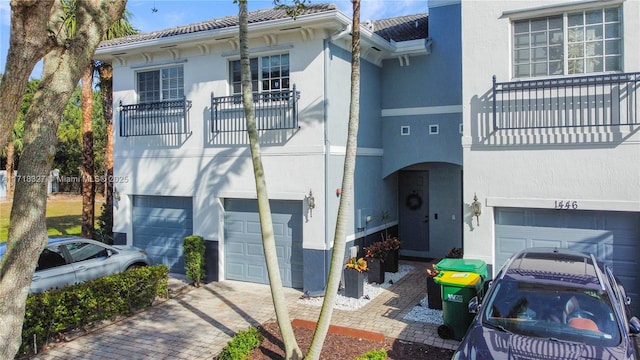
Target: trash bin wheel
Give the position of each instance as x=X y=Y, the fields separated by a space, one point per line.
x=445 y=331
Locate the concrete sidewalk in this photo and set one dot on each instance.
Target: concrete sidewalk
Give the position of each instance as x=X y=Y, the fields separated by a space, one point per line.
x=199 y=323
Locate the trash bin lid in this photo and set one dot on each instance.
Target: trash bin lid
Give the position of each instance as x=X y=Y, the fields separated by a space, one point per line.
x=463 y=265
x=459 y=279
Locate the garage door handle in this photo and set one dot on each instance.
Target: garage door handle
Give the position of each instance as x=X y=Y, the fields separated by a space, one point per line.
x=81 y=268
x=35 y=278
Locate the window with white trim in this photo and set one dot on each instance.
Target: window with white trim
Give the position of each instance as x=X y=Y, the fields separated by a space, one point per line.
x=268 y=73
x=580 y=42
x=161 y=85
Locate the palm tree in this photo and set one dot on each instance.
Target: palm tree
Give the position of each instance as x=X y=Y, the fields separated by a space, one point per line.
x=339 y=239
x=292 y=350
x=120 y=28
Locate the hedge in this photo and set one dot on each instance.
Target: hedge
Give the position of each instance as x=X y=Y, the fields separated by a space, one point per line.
x=193 y=250
x=75 y=306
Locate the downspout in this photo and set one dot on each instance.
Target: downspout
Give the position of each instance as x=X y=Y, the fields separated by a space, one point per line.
x=327 y=149
x=344 y=32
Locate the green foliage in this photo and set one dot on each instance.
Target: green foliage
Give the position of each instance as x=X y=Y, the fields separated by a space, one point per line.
x=241 y=345
x=104 y=232
x=74 y=306
x=193 y=249
x=373 y=355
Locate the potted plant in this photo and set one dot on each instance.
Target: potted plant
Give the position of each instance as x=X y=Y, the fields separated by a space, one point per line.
x=434 y=291
x=354 y=277
x=375 y=255
x=392 y=247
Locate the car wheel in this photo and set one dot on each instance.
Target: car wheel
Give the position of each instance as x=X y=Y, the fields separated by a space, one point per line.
x=134 y=266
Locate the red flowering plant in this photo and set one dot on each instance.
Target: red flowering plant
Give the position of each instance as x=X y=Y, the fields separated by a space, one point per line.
x=391 y=244
x=377 y=250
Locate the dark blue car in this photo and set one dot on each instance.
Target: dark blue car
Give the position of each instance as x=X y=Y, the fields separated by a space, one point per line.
x=549 y=303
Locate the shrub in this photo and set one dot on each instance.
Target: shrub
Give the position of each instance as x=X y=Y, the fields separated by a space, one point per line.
x=75 y=306
x=193 y=249
x=241 y=345
x=373 y=355
x=104 y=232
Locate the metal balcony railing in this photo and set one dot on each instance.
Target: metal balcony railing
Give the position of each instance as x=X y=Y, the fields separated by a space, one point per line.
x=275 y=110
x=595 y=100
x=156 y=118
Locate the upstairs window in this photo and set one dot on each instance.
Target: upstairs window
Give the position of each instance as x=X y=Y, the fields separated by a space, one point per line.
x=161 y=85
x=572 y=43
x=268 y=73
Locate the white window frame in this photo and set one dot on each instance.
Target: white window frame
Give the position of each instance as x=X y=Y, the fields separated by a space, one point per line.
x=169 y=88
x=608 y=58
x=260 y=82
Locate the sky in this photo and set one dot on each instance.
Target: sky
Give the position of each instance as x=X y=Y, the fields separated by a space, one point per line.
x=150 y=15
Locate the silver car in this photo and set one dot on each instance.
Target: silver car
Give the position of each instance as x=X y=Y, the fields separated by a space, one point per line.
x=71 y=260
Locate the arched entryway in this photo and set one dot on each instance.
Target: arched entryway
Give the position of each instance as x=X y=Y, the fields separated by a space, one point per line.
x=430 y=209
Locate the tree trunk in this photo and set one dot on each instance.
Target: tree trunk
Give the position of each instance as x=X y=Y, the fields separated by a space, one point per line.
x=10 y=164
x=345 y=206
x=29 y=40
x=86 y=170
x=62 y=69
x=106 y=87
x=292 y=351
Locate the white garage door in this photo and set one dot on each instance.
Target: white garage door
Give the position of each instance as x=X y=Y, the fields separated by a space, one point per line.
x=160 y=223
x=613 y=237
x=244 y=254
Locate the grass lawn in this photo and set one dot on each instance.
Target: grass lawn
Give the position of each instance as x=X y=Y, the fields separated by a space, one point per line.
x=64 y=215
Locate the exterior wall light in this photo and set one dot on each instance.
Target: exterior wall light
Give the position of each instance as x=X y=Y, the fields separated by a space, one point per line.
x=311 y=202
x=476 y=208
x=116 y=194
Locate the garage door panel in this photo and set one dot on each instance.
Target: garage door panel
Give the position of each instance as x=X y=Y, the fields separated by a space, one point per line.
x=253 y=227
x=233 y=226
x=546 y=243
x=287 y=221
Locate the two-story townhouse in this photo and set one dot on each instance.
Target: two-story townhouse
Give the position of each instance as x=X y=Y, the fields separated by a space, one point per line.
x=182 y=164
x=551 y=141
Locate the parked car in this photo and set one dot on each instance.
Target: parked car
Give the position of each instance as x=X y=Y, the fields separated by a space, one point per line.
x=71 y=260
x=549 y=303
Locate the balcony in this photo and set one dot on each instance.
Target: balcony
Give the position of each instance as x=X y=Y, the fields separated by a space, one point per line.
x=274 y=110
x=155 y=118
x=584 y=101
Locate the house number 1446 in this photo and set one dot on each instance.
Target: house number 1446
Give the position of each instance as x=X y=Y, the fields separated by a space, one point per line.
x=566 y=204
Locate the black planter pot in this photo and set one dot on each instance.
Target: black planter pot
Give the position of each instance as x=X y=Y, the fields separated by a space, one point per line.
x=391 y=261
x=434 y=294
x=375 y=272
x=353 y=283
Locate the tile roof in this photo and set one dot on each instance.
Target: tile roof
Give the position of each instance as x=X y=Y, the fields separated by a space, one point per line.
x=220 y=23
x=402 y=28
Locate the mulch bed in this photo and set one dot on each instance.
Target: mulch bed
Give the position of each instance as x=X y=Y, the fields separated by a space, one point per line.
x=344 y=344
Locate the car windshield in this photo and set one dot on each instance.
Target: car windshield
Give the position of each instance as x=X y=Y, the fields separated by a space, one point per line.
x=557 y=312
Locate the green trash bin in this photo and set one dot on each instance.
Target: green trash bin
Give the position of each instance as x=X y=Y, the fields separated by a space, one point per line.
x=463 y=265
x=457 y=289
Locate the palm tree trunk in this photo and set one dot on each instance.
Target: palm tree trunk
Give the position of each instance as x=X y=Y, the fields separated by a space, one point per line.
x=292 y=351
x=86 y=172
x=106 y=87
x=346 y=199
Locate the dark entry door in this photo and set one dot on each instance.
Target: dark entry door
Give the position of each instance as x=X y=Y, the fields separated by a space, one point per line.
x=413 y=226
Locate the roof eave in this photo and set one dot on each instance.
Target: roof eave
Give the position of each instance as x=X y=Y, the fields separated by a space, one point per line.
x=334 y=15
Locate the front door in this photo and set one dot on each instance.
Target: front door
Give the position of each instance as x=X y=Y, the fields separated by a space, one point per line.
x=413 y=226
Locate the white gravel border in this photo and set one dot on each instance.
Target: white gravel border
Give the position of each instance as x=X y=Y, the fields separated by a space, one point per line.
x=370 y=292
x=422 y=313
